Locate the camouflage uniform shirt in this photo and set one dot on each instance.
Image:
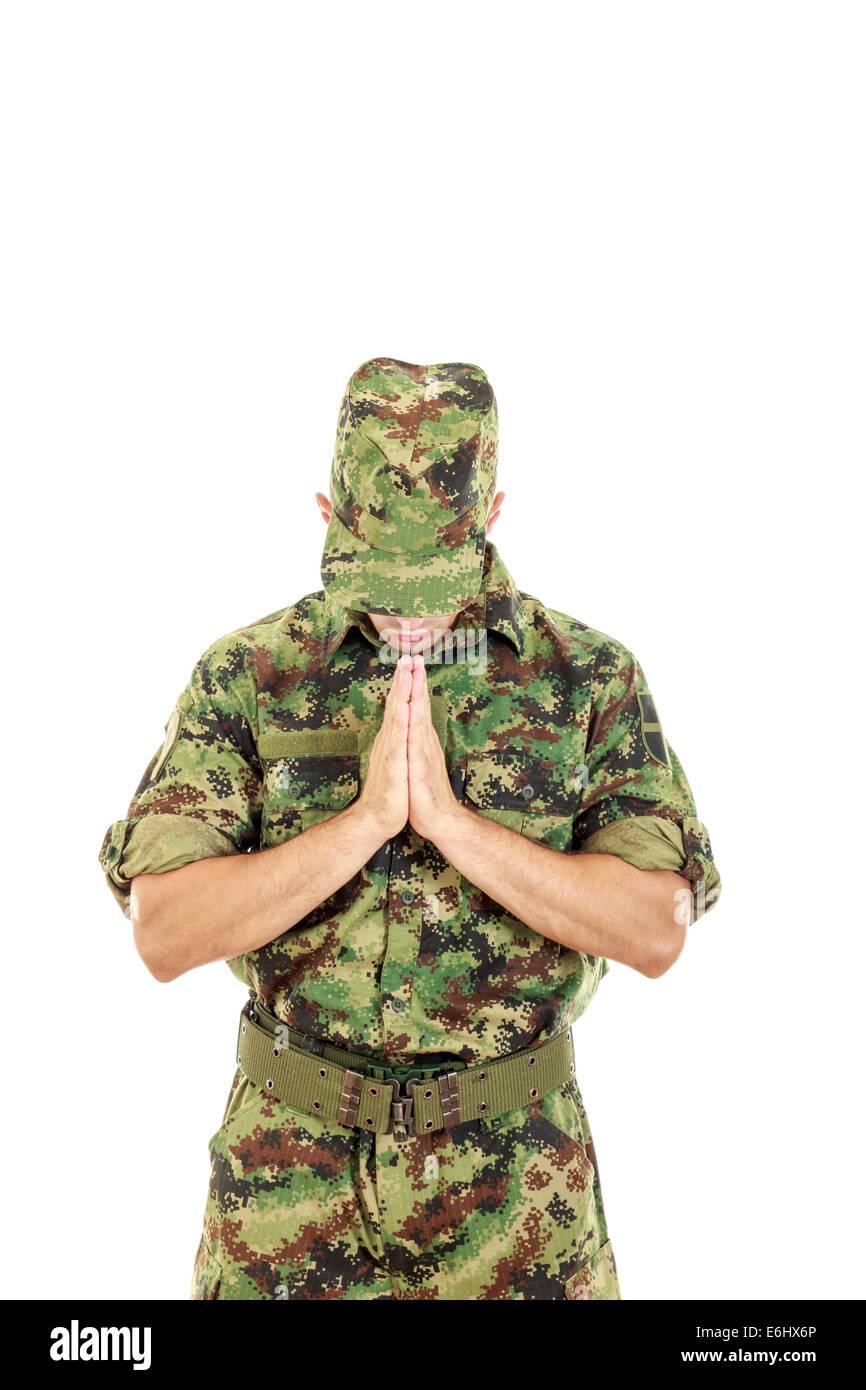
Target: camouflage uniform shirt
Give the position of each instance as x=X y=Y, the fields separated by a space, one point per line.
x=555 y=736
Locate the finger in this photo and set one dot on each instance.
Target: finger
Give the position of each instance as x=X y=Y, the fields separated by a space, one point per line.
x=420 y=694
x=401 y=684
x=420 y=720
x=396 y=717
x=418 y=726
x=399 y=717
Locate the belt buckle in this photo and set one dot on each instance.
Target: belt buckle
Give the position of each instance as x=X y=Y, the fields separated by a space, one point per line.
x=450 y=1099
x=401 y=1105
x=402 y=1101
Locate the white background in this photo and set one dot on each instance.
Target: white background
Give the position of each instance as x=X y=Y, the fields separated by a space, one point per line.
x=646 y=222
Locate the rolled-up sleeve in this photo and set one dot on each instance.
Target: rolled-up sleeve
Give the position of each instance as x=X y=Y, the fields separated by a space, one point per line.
x=636 y=802
x=201 y=793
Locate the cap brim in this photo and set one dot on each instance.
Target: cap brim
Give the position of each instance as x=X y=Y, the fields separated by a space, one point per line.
x=405 y=584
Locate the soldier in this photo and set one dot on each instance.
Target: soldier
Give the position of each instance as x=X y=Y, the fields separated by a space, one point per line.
x=418 y=852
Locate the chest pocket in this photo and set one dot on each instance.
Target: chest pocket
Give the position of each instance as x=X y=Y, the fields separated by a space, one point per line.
x=308 y=777
x=534 y=796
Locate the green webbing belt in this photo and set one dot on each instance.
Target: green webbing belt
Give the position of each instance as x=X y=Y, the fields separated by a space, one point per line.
x=342 y=1087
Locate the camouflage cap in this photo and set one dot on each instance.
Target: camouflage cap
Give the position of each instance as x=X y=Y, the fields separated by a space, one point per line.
x=411 y=488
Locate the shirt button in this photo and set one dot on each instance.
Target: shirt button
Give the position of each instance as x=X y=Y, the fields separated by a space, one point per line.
x=295 y=789
x=398 y=1005
x=527 y=793
x=408 y=896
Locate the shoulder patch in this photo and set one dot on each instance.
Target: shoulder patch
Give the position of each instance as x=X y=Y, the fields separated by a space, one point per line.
x=651 y=731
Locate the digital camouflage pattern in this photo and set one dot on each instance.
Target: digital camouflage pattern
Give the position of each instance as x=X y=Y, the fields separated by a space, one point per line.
x=507 y=1208
x=409 y=961
x=409 y=958
x=411 y=488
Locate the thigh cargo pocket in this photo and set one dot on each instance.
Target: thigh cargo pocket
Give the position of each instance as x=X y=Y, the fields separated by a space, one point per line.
x=207 y=1273
x=309 y=777
x=597 y=1279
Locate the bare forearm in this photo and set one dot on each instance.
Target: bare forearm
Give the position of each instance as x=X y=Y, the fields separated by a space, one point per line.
x=595 y=903
x=218 y=908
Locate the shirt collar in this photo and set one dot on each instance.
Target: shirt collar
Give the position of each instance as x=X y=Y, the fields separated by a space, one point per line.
x=497 y=607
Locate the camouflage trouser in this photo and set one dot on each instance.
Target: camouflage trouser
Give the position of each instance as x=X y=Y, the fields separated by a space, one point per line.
x=500 y=1208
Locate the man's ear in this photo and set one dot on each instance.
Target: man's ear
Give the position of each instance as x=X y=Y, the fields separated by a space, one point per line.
x=324 y=506
x=495 y=510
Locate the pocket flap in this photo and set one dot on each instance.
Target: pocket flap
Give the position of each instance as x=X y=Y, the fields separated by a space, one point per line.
x=329 y=781
x=505 y=780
